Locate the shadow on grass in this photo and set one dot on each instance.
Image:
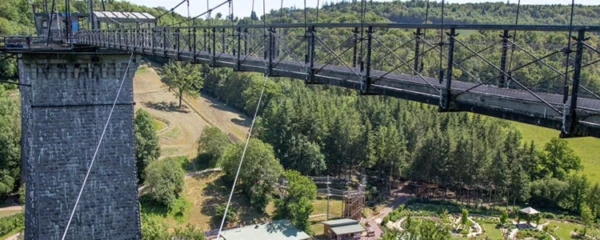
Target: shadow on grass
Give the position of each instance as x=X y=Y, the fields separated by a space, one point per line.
x=167 y=106
x=151 y=207
x=219 y=190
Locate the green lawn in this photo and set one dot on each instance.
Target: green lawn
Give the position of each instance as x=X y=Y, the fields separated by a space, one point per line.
x=563 y=230
x=588 y=148
x=158 y=125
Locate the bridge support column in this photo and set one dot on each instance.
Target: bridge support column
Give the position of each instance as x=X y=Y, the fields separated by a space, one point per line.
x=365 y=86
x=504 y=79
x=570 y=117
x=445 y=91
x=417 y=49
x=238 y=62
x=355 y=47
x=70 y=100
x=311 y=55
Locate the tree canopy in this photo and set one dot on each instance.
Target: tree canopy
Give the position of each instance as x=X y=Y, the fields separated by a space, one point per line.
x=164 y=179
x=147 y=148
x=259 y=173
x=184 y=78
x=297 y=205
x=212 y=143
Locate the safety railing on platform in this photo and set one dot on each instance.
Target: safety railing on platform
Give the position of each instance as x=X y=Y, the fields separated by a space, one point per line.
x=425 y=61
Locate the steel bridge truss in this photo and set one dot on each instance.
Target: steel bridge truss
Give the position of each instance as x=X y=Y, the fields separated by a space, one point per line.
x=483 y=69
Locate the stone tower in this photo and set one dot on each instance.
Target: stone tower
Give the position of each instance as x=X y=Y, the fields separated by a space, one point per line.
x=64 y=112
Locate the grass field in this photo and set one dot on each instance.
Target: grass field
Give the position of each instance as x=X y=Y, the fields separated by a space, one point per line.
x=8 y=213
x=563 y=230
x=158 y=125
x=588 y=148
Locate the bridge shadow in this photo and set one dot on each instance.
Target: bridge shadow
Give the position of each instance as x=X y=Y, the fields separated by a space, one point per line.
x=167 y=106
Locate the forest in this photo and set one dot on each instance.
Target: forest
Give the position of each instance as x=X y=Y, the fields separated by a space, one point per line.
x=324 y=130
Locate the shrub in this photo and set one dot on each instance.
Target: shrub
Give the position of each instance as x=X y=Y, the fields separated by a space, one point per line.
x=385 y=220
x=549 y=216
x=10 y=223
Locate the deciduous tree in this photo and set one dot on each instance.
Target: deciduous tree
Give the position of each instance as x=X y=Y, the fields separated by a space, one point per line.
x=184 y=78
x=296 y=205
x=164 y=179
x=259 y=171
x=147 y=148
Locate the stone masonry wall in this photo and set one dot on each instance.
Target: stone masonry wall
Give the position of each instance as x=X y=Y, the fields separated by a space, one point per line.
x=71 y=97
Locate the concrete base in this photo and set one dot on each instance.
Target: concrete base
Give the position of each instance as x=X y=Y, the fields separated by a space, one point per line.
x=64 y=113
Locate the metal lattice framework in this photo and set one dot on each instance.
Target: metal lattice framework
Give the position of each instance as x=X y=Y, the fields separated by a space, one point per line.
x=399 y=60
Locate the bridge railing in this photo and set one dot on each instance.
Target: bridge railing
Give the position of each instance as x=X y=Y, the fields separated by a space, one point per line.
x=452 y=67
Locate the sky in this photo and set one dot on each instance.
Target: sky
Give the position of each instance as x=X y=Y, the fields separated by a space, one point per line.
x=243 y=8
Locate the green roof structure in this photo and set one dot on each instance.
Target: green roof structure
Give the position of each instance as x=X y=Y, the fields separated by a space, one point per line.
x=344 y=226
x=277 y=230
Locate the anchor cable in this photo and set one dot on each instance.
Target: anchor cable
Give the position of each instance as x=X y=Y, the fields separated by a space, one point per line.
x=237 y=174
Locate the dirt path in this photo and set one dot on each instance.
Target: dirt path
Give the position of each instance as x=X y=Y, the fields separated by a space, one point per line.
x=187 y=122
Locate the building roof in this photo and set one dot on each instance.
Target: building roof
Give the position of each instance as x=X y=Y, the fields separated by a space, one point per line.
x=124 y=17
x=344 y=226
x=277 y=230
x=529 y=210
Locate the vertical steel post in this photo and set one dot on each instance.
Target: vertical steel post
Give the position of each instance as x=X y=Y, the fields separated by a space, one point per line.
x=246 y=41
x=271 y=54
x=214 y=47
x=178 y=33
x=239 y=49
x=417 y=50
x=311 y=78
x=205 y=45
x=445 y=92
x=504 y=79
x=570 y=119
x=223 y=41
x=164 y=31
x=355 y=47
x=195 y=46
x=366 y=81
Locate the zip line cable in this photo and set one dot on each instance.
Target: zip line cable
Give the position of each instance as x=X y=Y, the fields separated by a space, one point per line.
x=89 y=170
x=237 y=174
x=568 y=52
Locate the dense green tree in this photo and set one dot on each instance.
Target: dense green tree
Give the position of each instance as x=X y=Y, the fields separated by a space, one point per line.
x=153 y=229
x=147 y=148
x=587 y=217
x=575 y=194
x=213 y=143
x=593 y=199
x=184 y=78
x=258 y=173
x=558 y=159
x=164 y=179
x=220 y=212
x=297 y=205
x=10 y=135
x=189 y=233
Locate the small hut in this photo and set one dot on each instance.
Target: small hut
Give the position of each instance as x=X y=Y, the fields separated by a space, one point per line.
x=530 y=214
